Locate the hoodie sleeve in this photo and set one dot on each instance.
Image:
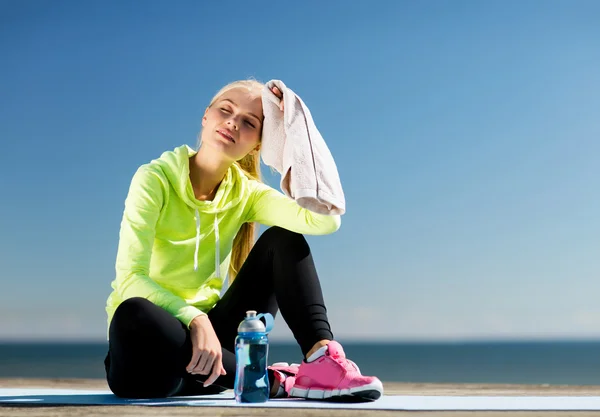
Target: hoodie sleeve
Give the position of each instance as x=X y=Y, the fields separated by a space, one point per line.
x=273 y=208
x=142 y=210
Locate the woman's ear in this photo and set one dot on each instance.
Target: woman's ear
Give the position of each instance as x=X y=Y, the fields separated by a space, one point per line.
x=204 y=117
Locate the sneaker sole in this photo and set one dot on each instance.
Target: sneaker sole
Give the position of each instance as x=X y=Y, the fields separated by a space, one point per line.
x=370 y=392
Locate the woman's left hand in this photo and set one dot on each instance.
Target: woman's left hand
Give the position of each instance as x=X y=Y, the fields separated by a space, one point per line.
x=279 y=95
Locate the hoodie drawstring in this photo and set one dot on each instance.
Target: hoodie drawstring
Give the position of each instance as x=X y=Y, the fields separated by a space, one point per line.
x=217 y=249
x=197 y=215
x=217 y=245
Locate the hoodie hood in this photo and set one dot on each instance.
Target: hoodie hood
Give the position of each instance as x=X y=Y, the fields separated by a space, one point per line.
x=176 y=166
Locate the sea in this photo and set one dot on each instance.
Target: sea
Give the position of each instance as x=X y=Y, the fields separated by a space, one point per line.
x=554 y=363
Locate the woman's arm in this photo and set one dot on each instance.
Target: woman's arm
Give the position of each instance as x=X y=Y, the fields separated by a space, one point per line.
x=138 y=226
x=273 y=208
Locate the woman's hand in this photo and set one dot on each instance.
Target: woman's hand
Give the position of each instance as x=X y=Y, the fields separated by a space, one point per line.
x=279 y=95
x=206 y=350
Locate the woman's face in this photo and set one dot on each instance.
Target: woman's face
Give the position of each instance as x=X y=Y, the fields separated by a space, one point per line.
x=233 y=124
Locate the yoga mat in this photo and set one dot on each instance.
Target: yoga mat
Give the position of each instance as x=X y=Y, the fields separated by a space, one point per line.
x=35 y=396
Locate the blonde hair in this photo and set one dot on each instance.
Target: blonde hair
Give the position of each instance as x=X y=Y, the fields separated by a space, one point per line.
x=250 y=164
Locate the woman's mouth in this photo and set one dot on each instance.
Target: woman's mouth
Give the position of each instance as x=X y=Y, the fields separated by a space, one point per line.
x=226 y=135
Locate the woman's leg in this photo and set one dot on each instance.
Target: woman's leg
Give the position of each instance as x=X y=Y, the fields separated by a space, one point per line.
x=278 y=273
x=148 y=352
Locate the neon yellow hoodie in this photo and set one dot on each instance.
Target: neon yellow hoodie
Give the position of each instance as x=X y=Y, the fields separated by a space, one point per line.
x=174 y=249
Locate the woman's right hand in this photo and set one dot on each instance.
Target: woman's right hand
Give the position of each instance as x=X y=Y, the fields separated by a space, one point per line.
x=279 y=95
x=206 y=350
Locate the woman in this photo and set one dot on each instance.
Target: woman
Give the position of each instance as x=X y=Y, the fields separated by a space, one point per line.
x=189 y=218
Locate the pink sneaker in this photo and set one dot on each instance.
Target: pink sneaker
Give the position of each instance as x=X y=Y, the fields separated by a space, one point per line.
x=335 y=378
x=286 y=376
x=286 y=367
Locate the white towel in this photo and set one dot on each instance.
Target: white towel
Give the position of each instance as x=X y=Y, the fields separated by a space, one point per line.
x=293 y=146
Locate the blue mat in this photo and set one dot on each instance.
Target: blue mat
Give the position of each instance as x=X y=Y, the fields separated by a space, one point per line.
x=35 y=396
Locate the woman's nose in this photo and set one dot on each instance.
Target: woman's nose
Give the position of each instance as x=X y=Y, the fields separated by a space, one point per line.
x=232 y=121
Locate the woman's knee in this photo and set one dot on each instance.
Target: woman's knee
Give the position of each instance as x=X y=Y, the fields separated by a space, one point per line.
x=276 y=236
x=132 y=307
x=130 y=313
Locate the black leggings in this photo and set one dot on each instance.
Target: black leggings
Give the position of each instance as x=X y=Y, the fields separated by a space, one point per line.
x=149 y=348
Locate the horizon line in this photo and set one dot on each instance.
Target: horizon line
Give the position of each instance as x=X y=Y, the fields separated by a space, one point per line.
x=355 y=341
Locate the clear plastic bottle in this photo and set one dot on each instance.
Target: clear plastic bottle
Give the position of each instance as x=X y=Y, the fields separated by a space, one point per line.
x=251 y=354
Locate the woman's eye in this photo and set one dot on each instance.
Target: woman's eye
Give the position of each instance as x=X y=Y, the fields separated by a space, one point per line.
x=250 y=124
x=225 y=110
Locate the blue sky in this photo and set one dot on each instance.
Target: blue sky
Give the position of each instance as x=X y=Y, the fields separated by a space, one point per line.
x=466 y=134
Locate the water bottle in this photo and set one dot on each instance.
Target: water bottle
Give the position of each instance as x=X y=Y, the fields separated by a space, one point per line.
x=251 y=351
